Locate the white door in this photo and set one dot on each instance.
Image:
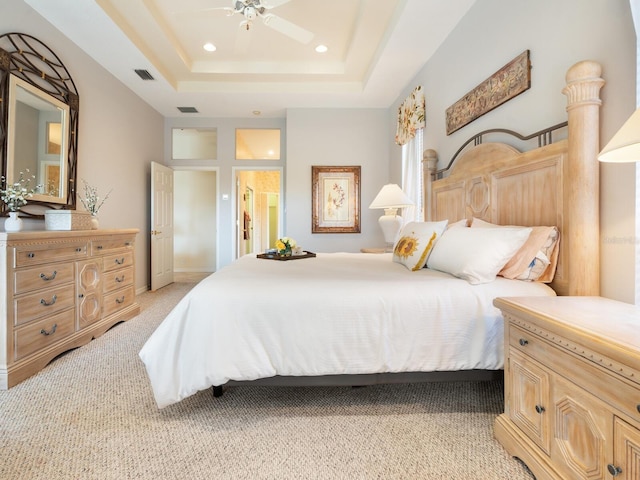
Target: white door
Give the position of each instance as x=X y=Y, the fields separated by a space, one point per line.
x=161 y=226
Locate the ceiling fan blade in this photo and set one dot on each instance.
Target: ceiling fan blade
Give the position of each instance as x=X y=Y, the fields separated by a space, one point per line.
x=243 y=37
x=269 y=4
x=287 y=28
x=230 y=11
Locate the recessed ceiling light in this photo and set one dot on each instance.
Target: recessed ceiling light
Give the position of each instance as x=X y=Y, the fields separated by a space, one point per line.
x=322 y=49
x=256 y=112
x=209 y=47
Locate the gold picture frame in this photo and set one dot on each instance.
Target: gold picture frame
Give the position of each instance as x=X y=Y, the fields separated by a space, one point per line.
x=508 y=82
x=335 y=194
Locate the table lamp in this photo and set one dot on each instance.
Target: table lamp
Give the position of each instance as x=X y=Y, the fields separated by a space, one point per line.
x=625 y=144
x=391 y=197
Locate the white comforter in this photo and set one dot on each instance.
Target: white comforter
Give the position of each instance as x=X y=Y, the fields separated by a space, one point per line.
x=338 y=313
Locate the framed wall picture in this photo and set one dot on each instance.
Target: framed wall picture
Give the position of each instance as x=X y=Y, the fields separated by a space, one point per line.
x=335 y=199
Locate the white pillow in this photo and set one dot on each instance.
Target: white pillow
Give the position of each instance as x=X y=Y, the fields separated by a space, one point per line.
x=476 y=254
x=460 y=223
x=415 y=243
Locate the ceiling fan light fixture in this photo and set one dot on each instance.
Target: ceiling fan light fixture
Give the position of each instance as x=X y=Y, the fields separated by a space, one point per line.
x=249 y=13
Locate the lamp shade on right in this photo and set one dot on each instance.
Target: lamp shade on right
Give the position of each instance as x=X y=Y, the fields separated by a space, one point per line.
x=625 y=144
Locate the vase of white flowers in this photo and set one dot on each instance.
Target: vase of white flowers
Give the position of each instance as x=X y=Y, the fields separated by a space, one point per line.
x=15 y=195
x=13 y=223
x=92 y=202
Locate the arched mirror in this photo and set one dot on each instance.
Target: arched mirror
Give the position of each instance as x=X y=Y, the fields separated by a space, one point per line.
x=39 y=121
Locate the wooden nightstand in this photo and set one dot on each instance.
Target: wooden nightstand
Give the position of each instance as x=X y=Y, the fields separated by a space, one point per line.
x=572 y=386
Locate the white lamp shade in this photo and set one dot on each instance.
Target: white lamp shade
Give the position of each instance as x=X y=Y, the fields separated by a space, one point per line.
x=625 y=144
x=391 y=196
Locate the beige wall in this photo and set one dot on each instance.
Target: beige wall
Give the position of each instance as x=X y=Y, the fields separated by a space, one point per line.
x=558 y=33
x=119 y=134
x=335 y=138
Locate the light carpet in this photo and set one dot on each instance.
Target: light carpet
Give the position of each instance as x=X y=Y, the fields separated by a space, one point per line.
x=90 y=414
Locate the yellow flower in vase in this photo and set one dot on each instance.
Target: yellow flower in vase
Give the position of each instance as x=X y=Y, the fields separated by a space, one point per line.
x=285 y=245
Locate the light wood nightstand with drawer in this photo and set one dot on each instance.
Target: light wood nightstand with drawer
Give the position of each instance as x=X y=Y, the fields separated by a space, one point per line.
x=572 y=386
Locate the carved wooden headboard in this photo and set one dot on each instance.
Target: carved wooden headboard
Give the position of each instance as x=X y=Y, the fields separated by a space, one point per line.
x=554 y=184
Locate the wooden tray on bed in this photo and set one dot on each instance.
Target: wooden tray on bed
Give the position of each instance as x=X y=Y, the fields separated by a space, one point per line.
x=275 y=256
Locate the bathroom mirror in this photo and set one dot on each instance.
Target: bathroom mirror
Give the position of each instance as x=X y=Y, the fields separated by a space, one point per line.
x=39 y=124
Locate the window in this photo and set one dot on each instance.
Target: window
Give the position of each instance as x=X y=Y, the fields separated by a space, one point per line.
x=258 y=144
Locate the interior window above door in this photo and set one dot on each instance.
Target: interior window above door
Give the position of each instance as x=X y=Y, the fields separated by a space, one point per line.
x=194 y=144
x=257 y=144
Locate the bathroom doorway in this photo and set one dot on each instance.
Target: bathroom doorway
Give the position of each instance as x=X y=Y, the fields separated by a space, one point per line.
x=257 y=210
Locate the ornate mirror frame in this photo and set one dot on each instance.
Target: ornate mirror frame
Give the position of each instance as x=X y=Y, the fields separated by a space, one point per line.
x=30 y=60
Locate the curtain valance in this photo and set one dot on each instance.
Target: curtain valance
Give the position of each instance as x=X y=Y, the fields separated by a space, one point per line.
x=411 y=116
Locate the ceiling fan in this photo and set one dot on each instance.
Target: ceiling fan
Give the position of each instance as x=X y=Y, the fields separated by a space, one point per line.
x=252 y=9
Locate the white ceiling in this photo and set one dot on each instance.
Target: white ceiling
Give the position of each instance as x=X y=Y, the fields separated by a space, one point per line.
x=375 y=48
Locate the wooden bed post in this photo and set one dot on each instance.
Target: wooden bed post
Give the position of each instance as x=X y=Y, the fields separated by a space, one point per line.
x=582 y=169
x=429 y=167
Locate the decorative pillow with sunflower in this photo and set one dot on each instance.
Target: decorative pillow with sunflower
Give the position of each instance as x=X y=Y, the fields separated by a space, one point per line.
x=416 y=242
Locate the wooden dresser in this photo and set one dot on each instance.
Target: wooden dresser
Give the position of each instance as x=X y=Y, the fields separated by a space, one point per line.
x=62 y=290
x=572 y=387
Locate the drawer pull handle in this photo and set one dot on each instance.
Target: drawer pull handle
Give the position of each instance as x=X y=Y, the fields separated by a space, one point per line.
x=539 y=409
x=120 y=262
x=613 y=470
x=31 y=255
x=50 y=277
x=524 y=342
x=120 y=300
x=81 y=295
x=99 y=247
x=127 y=244
x=47 y=304
x=120 y=279
x=79 y=249
x=50 y=332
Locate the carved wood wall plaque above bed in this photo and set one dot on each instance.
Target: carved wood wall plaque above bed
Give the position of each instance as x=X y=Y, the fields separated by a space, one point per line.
x=508 y=82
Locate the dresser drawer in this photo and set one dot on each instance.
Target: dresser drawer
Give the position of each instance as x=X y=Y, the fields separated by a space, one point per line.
x=111 y=245
x=528 y=343
x=45 y=276
x=117 y=279
x=45 y=302
x=117 y=261
x=569 y=360
x=25 y=257
x=45 y=332
x=118 y=300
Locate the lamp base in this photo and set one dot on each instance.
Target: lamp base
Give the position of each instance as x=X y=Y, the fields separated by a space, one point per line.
x=390 y=223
